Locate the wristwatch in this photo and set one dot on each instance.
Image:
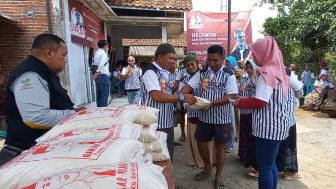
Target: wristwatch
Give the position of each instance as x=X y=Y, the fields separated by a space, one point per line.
x=181 y=97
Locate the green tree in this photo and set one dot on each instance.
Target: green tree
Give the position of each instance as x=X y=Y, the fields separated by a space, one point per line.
x=304 y=30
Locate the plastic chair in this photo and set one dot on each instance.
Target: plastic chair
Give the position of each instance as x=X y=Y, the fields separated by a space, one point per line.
x=310 y=88
x=112 y=87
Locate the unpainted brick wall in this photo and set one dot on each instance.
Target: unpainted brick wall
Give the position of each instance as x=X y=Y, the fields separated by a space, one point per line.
x=16 y=37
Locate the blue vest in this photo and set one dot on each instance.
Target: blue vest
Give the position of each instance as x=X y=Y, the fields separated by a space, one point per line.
x=19 y=134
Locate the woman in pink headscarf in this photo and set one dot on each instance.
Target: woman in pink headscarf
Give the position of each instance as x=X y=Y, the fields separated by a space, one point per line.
x=270 y=118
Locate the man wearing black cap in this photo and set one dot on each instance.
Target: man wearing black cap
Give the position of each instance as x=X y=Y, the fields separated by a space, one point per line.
x=153 y=96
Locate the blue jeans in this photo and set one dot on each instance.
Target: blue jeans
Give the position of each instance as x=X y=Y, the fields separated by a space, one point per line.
x=102 y=90
x=266 y=152
x=134 y=97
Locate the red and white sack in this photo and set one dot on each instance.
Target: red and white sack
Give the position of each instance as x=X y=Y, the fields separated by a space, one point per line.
x=146 y=115
x=44 y=158
x=130 y=131
x=118 y=176
x=148 y=133
x=90 y=118
x=200 y=104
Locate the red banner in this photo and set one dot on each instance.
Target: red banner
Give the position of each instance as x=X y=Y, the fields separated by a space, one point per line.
x=206 y=29
x=84 y=25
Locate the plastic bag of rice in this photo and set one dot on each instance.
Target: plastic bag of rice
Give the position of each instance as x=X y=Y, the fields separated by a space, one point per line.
x=146 y=115
x=116 y=176
x=148 y=133
x=200 y=104
x=160 y=150
x=161 y=142
x=131 y=131
x=44 y=158
x=92 y=118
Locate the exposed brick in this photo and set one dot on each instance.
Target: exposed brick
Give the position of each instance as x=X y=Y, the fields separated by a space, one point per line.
x=16 y=37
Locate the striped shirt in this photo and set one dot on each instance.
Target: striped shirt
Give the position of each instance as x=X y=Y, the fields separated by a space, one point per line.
x=323 y=71
x=181 y=73
x=215 y=86
x=132 y=82
x=272 y=121
x=155 y=78
x=246 y=89
x=196 y=92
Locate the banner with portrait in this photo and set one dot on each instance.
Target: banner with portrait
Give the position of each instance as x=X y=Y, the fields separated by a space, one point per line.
x=84 y=25
x=206 y=29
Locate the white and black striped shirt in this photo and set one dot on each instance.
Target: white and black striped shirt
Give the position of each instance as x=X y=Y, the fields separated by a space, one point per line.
x=196 y=92
x=215 y=86
x=272 y=121
x=294 y=85
x=246 y=89
x=155 y=78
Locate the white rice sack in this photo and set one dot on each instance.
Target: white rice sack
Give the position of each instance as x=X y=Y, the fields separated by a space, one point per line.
x=131 y=131
x=45 y=158
x=146 y=115
x=90 y=118
x=116 y=176
x=150 y=177
x=160 y=156
x=148 y=133
x=161 y=142
x=200 y=104
x=148 y=158
x=148 y=147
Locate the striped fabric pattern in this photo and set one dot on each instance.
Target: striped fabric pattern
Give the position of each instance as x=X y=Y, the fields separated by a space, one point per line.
x=272 y=121
x=215 y=90
x=196 y=92
x=165 y=115
x=248 y=92
x=291 y=105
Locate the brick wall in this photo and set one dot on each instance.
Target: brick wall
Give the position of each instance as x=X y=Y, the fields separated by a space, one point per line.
x=16 y=37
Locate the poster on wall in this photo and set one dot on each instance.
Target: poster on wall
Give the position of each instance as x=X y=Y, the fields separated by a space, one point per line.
x=84 y=25
x=206 y=29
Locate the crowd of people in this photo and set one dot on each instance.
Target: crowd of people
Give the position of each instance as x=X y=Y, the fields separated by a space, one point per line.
x=252 y=103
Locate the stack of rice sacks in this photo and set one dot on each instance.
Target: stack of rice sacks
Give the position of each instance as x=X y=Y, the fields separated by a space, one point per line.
x=93 y=148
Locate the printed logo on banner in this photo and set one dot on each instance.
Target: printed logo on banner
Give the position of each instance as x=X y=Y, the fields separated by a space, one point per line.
x=195 y=22
x=76 y=23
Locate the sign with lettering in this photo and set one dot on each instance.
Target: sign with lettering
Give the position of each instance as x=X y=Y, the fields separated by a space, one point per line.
x=84 y=25
x=207 y=29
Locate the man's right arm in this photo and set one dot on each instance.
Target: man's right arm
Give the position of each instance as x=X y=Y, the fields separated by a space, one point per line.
x=151 y=82
x=33 y=102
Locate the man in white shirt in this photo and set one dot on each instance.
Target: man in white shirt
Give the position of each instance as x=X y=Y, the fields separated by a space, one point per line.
x=101 y=77
x=131 y=74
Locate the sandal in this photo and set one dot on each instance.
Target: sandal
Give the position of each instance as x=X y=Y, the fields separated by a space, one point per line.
x=177 y=144
x=254 y=174
x=294 y=176
x=202 y=175
x=227 y=150
x=219 y=184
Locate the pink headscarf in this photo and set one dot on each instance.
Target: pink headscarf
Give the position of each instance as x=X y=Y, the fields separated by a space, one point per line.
x=269 y=55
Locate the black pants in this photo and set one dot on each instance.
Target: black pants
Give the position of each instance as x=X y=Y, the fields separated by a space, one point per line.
x=8 y=153
x=170 y=141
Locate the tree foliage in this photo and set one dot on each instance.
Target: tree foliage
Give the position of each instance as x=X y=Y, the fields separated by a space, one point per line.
x=304 y=30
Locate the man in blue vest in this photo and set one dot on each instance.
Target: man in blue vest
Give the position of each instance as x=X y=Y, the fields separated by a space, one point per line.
x=35 y=98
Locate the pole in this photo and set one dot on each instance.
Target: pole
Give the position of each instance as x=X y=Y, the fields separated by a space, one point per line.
x=229 y=27
x=48 y=16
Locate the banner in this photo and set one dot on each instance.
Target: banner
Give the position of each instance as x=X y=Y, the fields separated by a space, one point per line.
x=84 y=25
x=206 y=29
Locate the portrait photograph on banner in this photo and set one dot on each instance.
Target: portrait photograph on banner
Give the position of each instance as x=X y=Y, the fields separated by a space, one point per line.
x=206 y=29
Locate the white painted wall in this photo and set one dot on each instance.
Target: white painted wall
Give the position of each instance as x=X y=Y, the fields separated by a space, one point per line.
x=78 y=65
